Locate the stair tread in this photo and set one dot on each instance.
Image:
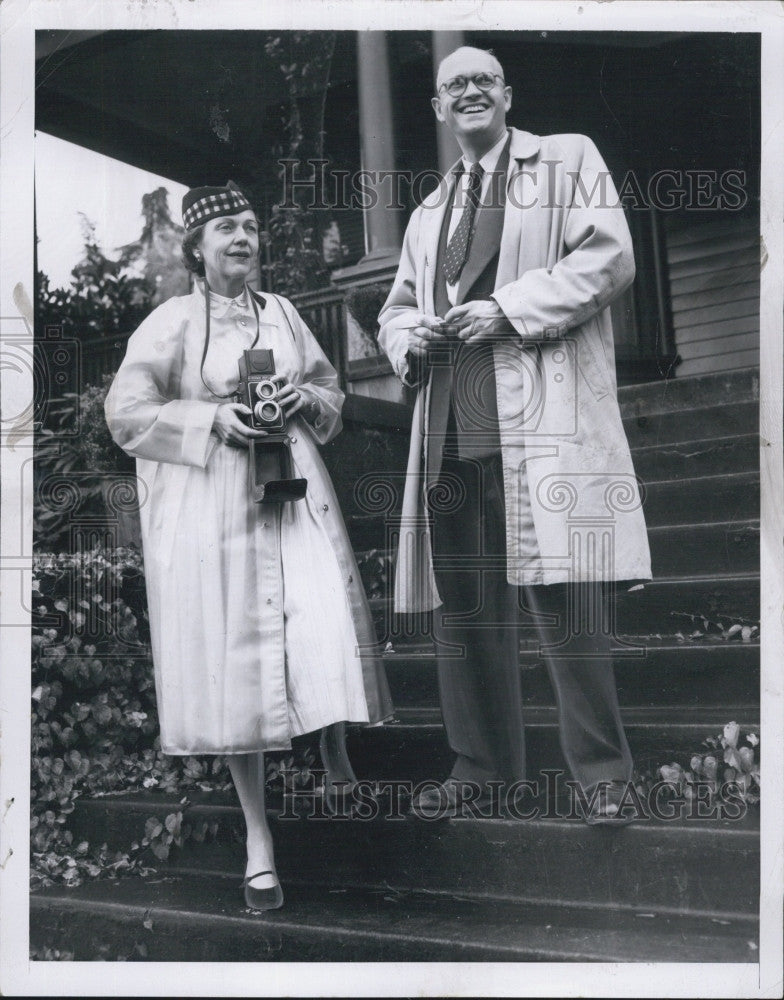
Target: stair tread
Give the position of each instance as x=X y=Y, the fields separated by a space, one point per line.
x=656 y=863
x=216 y=802
x=688 y=393
x=742 y=524
x=661 y=717
x=652 y=643
x=190 y=905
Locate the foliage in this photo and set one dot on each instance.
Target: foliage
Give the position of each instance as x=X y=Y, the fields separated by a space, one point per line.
x=740 y=775
x=740 y=629
x=364 y=302
x=375 y=569
x=297 y=260
x=102 y=299
x=75 y=451
x=95 y=721
x=109 y=297
x=293 y=236
x=157 y=254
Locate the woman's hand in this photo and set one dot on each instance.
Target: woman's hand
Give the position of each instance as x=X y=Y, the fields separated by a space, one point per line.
x=292 y=400
x=230 y=429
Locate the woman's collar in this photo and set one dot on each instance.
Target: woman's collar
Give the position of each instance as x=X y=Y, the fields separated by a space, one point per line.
x=221 y=305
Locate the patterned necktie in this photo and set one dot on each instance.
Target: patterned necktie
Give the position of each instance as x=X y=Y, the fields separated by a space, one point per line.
x=457 y=249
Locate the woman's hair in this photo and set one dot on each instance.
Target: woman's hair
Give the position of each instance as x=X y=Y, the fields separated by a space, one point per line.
x=190 y=242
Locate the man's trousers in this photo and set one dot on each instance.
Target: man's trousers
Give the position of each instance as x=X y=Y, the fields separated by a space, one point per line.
x=477 y=632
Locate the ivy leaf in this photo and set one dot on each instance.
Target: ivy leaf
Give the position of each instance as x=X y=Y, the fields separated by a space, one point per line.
x=153 y=828
x=160 y=850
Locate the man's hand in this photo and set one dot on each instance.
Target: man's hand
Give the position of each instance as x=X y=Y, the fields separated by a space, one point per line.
x=479 y=321
x=424 y=334
x=230 y=429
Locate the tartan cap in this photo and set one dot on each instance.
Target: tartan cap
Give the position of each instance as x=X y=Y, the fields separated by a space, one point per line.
x=201 y=204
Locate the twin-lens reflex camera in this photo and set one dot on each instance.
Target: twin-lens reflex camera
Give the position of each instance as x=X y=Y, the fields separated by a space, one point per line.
x=270 y=477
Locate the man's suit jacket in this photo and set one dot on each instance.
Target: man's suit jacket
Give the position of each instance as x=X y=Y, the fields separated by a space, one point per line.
x=565 y=254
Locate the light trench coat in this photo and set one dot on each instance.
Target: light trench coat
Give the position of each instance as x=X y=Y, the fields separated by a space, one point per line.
x=213 y=557
x=565 y=254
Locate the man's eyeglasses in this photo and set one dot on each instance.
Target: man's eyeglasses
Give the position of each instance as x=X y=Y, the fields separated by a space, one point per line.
x=456 y=87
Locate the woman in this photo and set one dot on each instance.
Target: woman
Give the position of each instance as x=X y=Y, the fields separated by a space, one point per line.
x=257 y=612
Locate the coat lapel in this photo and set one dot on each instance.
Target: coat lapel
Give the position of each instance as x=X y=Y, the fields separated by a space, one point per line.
x=522 y=147
x=434 y=208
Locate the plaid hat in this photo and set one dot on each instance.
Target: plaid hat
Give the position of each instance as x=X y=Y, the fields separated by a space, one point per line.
x=201 y=204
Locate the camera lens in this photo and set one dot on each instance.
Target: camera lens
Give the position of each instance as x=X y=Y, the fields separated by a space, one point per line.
x=267 y=412
x=266 y=390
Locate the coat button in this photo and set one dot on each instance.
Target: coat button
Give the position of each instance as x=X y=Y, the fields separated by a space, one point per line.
x=264 y=524
x=351 y=579
x=325 y=507
x=293 y=440
x=269 y=600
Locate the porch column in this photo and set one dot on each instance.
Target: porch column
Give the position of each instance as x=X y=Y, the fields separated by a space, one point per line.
x=443 y=43
x=383 y=229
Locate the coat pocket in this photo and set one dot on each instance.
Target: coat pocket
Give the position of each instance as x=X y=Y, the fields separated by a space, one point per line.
x=591 y=359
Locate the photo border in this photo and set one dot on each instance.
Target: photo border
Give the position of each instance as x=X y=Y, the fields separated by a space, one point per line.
x=18 y=21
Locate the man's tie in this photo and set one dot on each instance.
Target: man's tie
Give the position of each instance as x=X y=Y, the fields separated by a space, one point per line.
x=457 y=248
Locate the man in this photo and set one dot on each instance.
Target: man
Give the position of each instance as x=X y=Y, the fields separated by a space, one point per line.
x=521 y=504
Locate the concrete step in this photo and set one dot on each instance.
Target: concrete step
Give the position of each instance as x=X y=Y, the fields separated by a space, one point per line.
x=683 y=394
x=654 y=864
x=726 y=497
x=726 y=418
x=671 y=671
x=414 y=746
x=713 y=547
x=689 y=460
x=660 y=607
x=730 y=497
x=681 y=549
x=197 y=917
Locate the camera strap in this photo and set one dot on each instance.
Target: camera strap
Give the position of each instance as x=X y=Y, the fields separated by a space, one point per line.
x=227 y=395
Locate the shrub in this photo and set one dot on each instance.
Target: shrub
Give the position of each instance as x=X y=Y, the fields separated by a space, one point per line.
x=95 y=720
x=76 y=459
x=740 y=775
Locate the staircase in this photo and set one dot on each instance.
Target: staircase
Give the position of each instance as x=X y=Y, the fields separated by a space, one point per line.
x=545 y=889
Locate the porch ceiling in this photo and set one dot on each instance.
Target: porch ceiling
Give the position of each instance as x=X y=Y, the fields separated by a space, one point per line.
x=193 y=106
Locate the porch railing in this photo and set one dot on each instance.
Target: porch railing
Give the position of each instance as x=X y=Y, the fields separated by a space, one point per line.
x=322 y=310
x=325 y=313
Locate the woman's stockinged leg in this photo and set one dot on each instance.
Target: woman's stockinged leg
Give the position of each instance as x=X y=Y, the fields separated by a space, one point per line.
x=334 y=756
x=247 y=771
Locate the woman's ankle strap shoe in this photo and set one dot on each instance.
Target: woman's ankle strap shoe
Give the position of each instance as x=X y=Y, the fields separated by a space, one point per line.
x=262 y=899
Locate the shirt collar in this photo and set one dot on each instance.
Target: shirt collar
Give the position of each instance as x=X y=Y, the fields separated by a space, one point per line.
x=488 y=161
x=221 y=306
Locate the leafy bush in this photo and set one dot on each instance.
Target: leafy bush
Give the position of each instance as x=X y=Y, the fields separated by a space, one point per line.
x=364 y=302
x=95 y=720
x=76 y=460
x=740 y=775
x=94 y=716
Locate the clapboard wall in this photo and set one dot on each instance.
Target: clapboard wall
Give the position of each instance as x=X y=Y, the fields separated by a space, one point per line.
x=714 y=272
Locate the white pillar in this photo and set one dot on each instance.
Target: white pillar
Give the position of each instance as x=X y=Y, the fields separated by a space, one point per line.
x=445 y=42
x=383 y=228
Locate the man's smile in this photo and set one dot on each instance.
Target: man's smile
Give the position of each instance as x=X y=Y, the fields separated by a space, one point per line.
x=476 y=107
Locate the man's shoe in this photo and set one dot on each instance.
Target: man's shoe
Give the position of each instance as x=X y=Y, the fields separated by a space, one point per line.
x=452 y=798
x=605 y=808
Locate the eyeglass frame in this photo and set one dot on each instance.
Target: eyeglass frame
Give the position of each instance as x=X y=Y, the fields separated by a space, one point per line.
x=472 y=79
